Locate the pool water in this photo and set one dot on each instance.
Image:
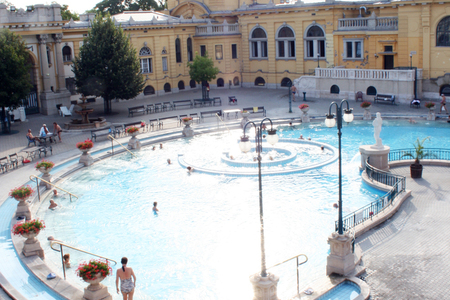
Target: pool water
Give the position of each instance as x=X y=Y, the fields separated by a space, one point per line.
x=347 y=290
x=204 y=243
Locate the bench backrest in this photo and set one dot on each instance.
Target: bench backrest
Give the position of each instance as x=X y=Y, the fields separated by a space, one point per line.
x=168 y=118
x=182 y=101
x=136 y=107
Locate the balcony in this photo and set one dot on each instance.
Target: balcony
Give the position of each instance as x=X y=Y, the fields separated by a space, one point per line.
x=365 y=74
x=372 y=23
x=217 y=29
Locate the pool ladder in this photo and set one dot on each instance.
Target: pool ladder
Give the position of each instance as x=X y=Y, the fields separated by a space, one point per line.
x=61 y=244
x=36 y=179
x=112 y=146
x=298 y=265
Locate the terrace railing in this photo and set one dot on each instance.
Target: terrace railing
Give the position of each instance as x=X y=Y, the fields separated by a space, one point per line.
x=372 y=23
x=433 y=154
x=217 y=29
x=398 y=184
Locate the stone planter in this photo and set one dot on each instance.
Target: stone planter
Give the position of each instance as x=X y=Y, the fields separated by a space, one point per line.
x=32 y=246
x=367 y=115
x=368 y=107
x=431 y=115
x=305 y=110
x=245 y=119
x=46 y=176
x=305 y=116
x=187 y=130
x=23 y=209
x=86 y=158
x=95 y=290
x=134 y=143
x=264 y=288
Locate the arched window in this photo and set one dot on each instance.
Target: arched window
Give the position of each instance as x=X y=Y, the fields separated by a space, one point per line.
x=371 y=91
x=67 y=53
x=167 y=87
x=146 y=62
x=286 y=82
x=258 y=43
x=445 y=89
x=314 y=42
x=285 y=42
x=149 y=90
x=220 y=82
x=334 y=89
x=178 y=50
x=192 y=84
x=443 y=32
x=260 y=81
x=236 y=81
x=189 y=50
x=181 y=85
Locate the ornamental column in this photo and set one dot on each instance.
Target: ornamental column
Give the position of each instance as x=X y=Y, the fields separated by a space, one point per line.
x=60 y=62
x=42 y=38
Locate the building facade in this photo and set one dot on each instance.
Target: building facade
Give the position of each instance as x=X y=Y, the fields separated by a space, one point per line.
x=330 y=49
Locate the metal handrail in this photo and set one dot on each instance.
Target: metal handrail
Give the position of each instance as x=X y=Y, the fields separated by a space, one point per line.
x=221 y=120
x=61 y=244
x=112 y=145
x=298 y=264
x=432 y=154
x=32 y=177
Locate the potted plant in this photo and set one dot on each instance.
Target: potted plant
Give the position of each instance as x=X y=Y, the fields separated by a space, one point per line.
x=416 y=168
x=44 y=164
x=245 y=113
x=304 y=107
x=430 y=105
x=85 y=146
x=21 y=193
x=93 y=272
x=187 y=121
x=366 y=105
x=28 y=229
x=133 y=130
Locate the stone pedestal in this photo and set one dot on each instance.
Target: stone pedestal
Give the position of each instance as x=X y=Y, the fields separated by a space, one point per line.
x=341 y=259
x=188 y=131
x=23 y=210
x=367 y=115
x=431 y=115
x=264 y=288
x=134 y=143
x=32 y=246
x=96 y=292
x=46 y=176
x=245 y=119
x=378 y=157
x=86 y=158
x=305 y=116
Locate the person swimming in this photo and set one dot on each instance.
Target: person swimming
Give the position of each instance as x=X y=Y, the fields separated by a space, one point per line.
x=53 y=205
x=155 y=209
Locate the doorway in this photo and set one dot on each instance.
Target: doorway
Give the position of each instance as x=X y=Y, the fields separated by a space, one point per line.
x=388 y=62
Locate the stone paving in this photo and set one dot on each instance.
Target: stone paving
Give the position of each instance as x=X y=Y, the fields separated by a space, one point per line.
x=405 y=257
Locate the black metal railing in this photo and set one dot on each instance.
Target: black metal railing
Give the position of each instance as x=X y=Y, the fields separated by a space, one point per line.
x=398 y=184
x=431 y=153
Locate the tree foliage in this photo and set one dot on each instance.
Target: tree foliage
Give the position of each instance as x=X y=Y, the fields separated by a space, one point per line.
x=202 y=69
x=113 y=7
x=66 y=14
x=107 y=65
x=14 y=71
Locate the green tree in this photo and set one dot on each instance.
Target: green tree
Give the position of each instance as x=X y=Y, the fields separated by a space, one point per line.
x=14 y=73
x=202 y=70
x=66 y=14
x=107 y=65
x=113 y=7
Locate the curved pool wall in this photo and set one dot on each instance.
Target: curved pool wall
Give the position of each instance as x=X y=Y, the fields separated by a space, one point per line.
x=430 y=125
x=346 y=290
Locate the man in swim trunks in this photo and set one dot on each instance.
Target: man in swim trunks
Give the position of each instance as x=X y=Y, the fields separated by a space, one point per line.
x=126 y=283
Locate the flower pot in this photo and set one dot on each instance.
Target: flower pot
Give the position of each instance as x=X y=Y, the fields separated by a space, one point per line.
x=94 y=284
x=86 y=158
x=187 y=123
x=432 y=108
x=368 y=107
x=245 y=114
x=95 y=290
x=416 y=170
x=305 y=110
x=30 y=236
x=133 y=134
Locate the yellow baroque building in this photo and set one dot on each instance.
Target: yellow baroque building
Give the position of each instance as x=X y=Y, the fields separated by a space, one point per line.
x=330 y=49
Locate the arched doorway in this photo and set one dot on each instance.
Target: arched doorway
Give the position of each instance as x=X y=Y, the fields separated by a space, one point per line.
x=259 y=81
x=285 y=82
x=220 y=82
x=149 y=90
x=181 y=85
x=236 y=81
x=192 y=84
x=167 y=88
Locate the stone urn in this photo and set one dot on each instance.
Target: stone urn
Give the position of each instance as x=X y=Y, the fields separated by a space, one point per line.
x=305 y=116
x=305 y=110
x=431 y=114
x=134 y=143
x=95 y=290
x=32 y=246
x=367 y=115
x=23 y=209
x=245 y=119
x=187 y=130
x=86 y=158
x=45 y=176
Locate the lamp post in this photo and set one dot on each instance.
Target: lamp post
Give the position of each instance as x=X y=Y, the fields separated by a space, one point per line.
x=289 y=85
x=330 y=122
x=245 y=146
x=318 y=55
x=410 y=61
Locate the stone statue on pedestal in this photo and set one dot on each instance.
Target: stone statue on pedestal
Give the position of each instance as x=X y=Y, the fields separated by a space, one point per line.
x=377 y=130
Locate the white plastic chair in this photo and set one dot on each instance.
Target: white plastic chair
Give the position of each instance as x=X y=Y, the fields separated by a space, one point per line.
x=64 y=111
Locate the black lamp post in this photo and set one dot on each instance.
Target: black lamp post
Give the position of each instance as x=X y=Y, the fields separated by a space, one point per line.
x=318 y=55
x=330 y=122
x=245 y=147
x=289 y=85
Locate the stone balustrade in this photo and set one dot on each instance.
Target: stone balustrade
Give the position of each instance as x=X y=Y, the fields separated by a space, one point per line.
x=217 y=29
x=372 y=23
x=396 y=75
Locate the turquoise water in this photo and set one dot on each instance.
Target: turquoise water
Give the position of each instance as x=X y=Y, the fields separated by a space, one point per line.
x=204 y=243
x=347 y=290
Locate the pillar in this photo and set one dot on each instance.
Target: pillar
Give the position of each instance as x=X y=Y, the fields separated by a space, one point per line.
x=60 y=62
x=42 y=38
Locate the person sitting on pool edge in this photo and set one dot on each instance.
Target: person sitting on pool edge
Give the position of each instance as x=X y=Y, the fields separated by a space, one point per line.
x=190 y=169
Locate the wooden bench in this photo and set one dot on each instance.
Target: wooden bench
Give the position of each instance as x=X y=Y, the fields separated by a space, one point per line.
x=203 y=102
x=261 y=110
x=178 y=103
x=168 y=121
x=95 y=133
x=217 y=101
x=208 y=114
x=136 y=109
x=150 y=108
x=232 y=100
x=44 y=150
x=167 y=106
x=385 y=98
x=154 y=123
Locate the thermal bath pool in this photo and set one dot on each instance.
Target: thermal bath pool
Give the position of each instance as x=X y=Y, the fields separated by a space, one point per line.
x=204 y=243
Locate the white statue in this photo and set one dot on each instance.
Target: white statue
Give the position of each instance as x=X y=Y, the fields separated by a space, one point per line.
x=377 y=130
